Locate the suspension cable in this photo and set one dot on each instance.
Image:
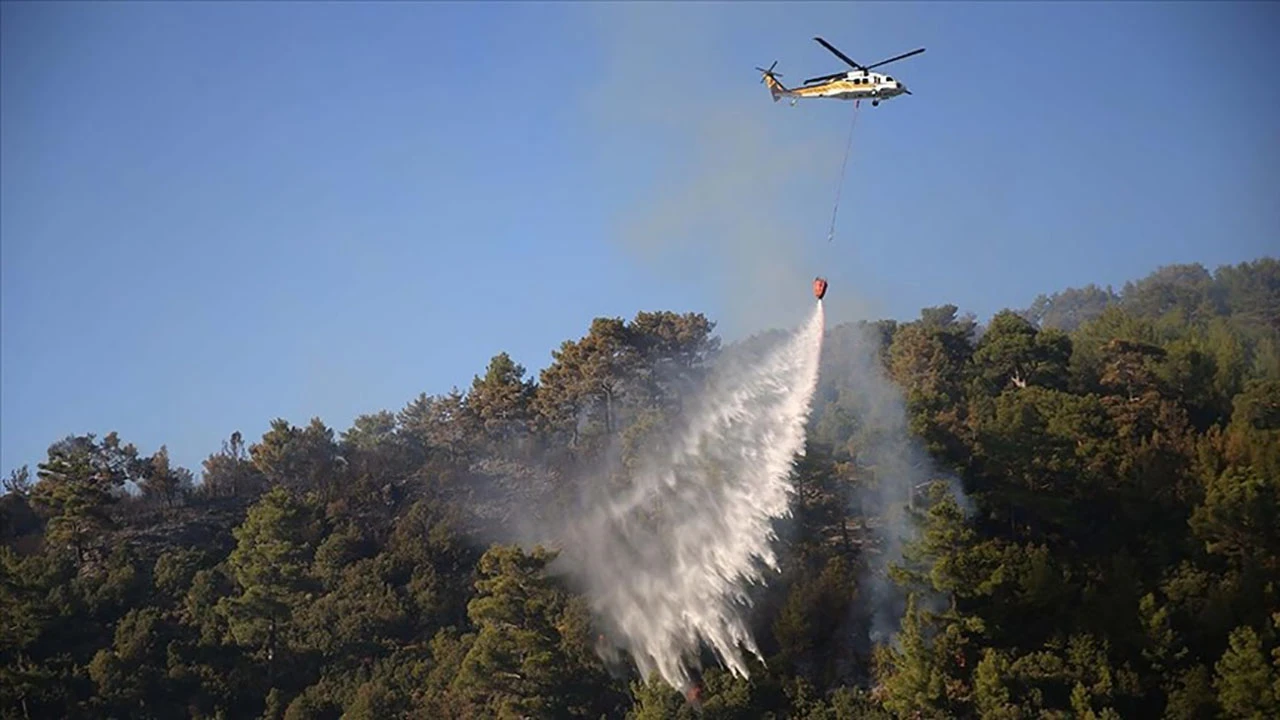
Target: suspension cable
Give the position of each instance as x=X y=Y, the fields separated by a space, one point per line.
x=840 y=186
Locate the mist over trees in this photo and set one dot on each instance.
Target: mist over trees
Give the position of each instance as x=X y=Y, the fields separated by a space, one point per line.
x=1120 y=555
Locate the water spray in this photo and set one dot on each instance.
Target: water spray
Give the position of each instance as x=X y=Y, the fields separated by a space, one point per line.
x=667 y=565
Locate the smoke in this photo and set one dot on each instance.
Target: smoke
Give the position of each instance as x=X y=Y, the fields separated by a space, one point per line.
x=893 y=464
x=666 y=564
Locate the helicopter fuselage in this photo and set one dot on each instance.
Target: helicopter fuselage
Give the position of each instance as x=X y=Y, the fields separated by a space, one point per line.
x=853 y=86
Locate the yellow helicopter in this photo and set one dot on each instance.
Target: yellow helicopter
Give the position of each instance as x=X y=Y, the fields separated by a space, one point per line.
x=858 y=84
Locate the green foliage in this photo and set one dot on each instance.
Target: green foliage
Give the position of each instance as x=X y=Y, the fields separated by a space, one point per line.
x=1104 y=543
x=270 y=568
x=1246 y=682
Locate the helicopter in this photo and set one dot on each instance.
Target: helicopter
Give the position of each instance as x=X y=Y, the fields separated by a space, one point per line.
x=857 y=84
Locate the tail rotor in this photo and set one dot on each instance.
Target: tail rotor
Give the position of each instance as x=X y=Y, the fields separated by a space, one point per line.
x=776 y=89
x=769 y=73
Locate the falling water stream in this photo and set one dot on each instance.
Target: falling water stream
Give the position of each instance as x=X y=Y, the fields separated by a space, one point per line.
x=667 y=564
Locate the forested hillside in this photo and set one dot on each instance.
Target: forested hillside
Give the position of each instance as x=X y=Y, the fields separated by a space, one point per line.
x=1115 y=552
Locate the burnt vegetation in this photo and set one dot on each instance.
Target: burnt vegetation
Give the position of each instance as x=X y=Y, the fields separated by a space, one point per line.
x=1120 y=451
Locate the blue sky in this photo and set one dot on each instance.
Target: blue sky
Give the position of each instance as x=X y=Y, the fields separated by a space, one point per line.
x=216 y=214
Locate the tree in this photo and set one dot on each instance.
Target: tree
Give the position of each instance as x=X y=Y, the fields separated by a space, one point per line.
x=231 y=472
x=300 y=458
x=78 y=484
x=674 y=352
x=588 y=379
x=1129 y=368
x=518 y=665
x=502 y=401
x=162 y=482
x=1245 y=681
x=1172 y=288
x=1071 y=308
x=928 y=358
x=913 y=682
x=443 y=425
x=270 y=564
x=1014 y=353
x=18 y=482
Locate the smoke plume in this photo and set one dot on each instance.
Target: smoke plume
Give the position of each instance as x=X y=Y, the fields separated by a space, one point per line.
x=894 y=465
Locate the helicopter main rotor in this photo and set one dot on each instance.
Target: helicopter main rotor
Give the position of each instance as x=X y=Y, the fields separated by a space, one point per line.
x=853 y=64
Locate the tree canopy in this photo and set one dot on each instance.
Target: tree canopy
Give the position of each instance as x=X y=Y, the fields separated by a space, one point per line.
x=1115 y=551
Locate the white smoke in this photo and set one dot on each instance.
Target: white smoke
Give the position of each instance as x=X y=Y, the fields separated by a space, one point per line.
x=895 y=470
x=897 y=465
x=667 y=564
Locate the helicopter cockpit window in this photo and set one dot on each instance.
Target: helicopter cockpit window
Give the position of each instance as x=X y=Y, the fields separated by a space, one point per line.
x=888 y=79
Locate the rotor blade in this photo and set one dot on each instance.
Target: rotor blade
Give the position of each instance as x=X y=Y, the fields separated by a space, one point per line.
x=768 y=73
x=824 y=78
x=896 y=59
x=838 y=54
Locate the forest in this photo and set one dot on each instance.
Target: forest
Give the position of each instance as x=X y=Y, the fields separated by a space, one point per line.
x=1116 y=553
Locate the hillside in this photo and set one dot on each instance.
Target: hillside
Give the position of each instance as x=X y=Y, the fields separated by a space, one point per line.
x=1113 y=550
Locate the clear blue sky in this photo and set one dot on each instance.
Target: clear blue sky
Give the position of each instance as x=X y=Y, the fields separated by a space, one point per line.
x=216 y=214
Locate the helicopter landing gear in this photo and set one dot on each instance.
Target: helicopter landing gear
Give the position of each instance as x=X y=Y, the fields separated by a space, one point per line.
x=875 y=103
